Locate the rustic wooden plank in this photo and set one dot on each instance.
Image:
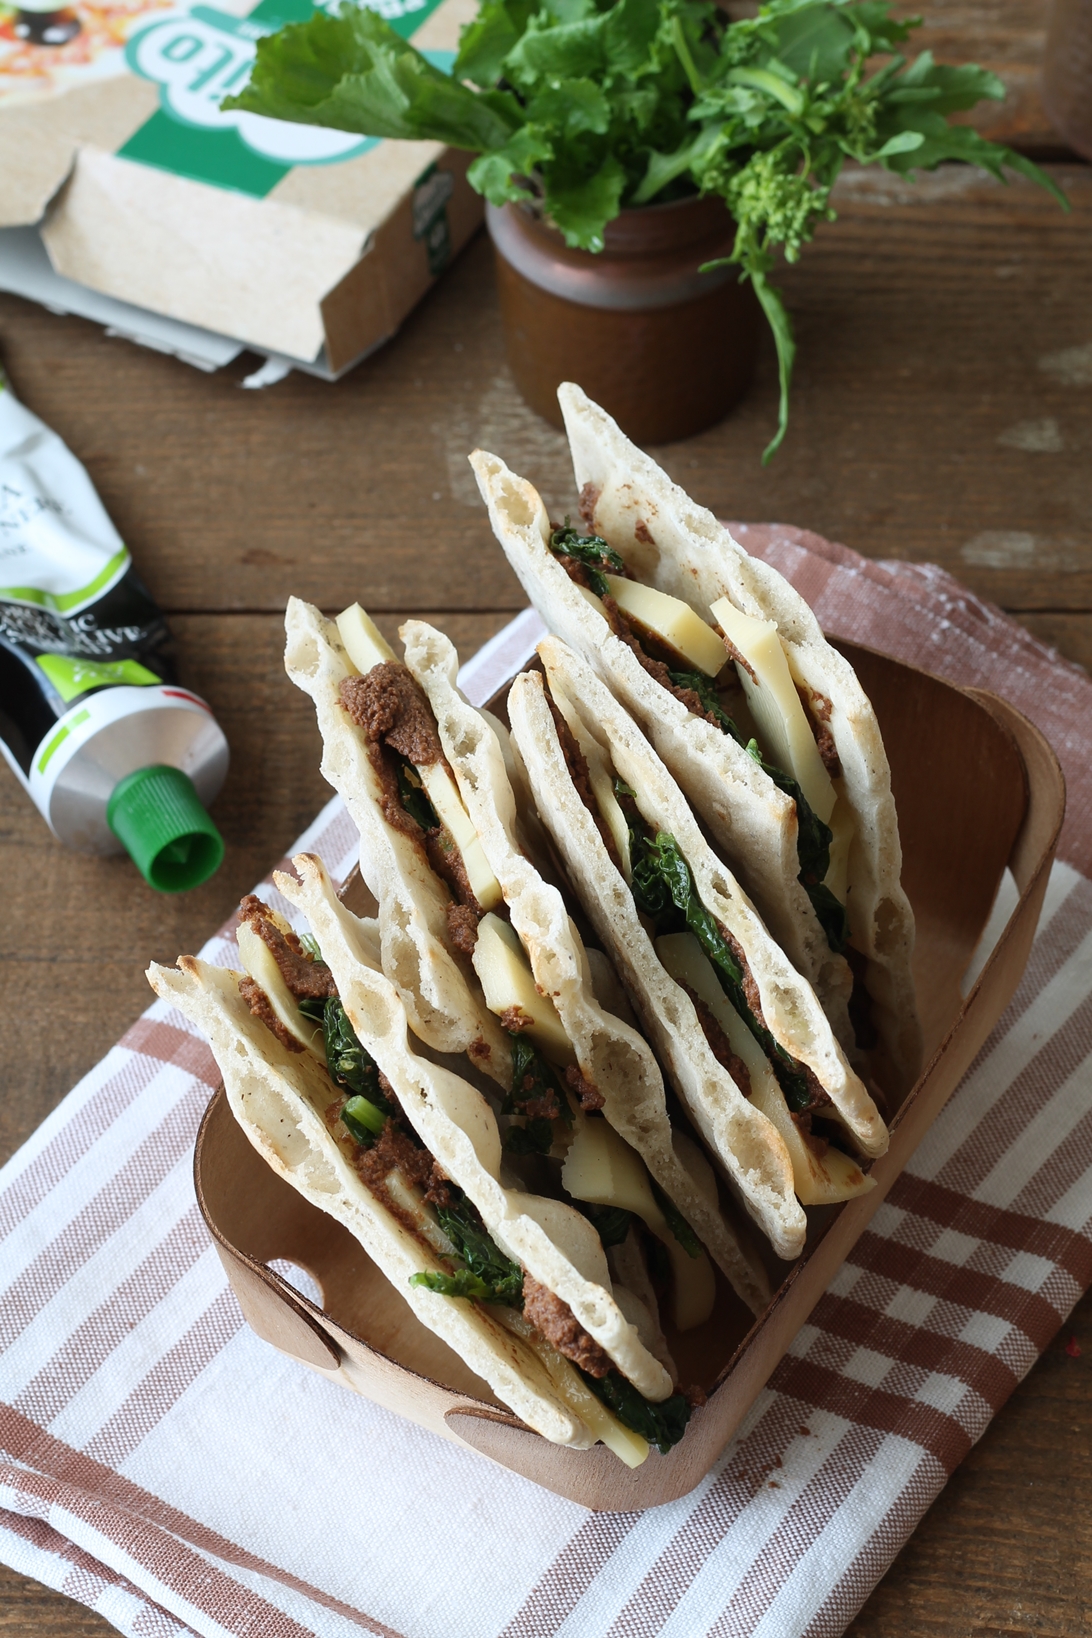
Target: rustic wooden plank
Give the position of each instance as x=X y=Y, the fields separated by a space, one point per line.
x=942 y=402
x=1007 y=37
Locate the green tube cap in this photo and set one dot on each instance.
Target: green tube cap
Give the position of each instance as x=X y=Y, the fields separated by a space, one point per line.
x=158 y=817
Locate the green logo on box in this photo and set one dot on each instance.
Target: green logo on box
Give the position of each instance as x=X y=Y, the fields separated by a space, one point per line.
x=199 y=58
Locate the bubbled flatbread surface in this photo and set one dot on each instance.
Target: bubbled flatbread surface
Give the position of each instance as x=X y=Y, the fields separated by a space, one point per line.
x=446 y=1008
x=753 y=822
x=611 y=1055
x=277 y=1098
x=790 y=1007
x=551 y=1239
x=679 y=547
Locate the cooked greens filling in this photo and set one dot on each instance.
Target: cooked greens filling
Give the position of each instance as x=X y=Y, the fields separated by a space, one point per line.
x=478 y=1269
x=663 y=889
x=537 y=1099
x=412 y=794
x=663 y=1425
x=590 y=550
x=487 y=1274
x=813 y=837
x=611 y=1223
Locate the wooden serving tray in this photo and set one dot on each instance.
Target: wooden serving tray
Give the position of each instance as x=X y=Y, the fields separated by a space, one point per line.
x=978 y=789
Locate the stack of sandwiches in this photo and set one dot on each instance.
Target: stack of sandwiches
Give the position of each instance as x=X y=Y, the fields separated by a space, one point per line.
x=638 y=995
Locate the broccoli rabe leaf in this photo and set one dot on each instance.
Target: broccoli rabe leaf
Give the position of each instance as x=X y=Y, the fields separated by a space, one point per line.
x=611 y=1223
x=592 y=551
x=663 y=1424
x=487 y=1273
x=663 y=889
x=537 y=1097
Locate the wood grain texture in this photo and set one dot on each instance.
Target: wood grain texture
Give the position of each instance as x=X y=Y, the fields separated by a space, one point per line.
x=942 y=411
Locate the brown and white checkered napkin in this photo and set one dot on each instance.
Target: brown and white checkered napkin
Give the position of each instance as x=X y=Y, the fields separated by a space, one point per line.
x=160 y=1464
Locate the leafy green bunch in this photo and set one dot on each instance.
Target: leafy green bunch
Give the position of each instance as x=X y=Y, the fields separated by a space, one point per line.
x=582 y=108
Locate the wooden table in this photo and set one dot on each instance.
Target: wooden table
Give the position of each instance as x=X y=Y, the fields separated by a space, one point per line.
x=942 y=411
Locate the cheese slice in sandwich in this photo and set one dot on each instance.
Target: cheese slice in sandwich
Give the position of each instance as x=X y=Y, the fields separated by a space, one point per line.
x=747 y=1045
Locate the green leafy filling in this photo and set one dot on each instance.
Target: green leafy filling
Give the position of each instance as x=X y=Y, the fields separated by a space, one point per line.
x=664 y=890
x=611 y=1223
x=813 y=837
x=676 y=1222
x=663 y=1425
x=487 y=1274
x=590 y=550
x=352 y=1068
x=534 y=1081
x=587 y=107
x=412 y=794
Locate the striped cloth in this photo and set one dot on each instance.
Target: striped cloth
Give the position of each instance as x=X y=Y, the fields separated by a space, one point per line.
x=165 y=1467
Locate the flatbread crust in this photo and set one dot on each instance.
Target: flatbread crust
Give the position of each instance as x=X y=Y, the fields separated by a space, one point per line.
x=680 y=548
x=444 y=1002
x=553 y=1241
x=789 y=1005
x=611 y=1055
x=277 y=1097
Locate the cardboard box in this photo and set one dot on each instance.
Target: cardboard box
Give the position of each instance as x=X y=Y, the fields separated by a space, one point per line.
x=307 y=243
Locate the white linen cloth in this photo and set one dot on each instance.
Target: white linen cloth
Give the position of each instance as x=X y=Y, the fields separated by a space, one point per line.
x=165 y=1467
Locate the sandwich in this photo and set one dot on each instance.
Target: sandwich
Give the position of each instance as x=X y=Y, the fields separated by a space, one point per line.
x=582 y=1097
x=313 y=1044
x=762 y=722
x=741 y=1033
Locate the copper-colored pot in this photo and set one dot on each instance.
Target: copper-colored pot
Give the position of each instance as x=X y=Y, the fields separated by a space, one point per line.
x=1067 y=73
x=666 y=349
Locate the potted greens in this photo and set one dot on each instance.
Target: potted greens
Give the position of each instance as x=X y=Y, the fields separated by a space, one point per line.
x=603 y=129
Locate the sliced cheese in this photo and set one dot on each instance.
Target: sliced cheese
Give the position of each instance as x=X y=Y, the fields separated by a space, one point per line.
x=590 y=597
x=672 y=622
x=363 y=641
x=628 y=1446
x=602 y=1169
x=408 y=1199
x=506 y=978
x=841 y=823
x=257 y=959
x=784 y=731
x=819 y=1180
x=600 y=777
x=443 y=793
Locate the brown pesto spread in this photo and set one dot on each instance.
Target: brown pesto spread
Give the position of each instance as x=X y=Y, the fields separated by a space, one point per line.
x=643 y=533
x=816 y=1092
x=556 y=1321
x=590 y=1096
x=258 y=1002
x=719 y=1044
x=515 y=1020
x=306 y=979
x=656 y=668
x=577 y=765
x=391 y=711
x=589 y=500
x=817 y=709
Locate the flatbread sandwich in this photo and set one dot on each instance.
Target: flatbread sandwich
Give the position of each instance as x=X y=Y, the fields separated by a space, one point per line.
x=312 y=1041
x=740 y=1031
x=762 y=722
